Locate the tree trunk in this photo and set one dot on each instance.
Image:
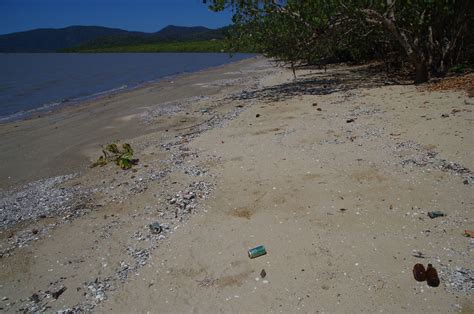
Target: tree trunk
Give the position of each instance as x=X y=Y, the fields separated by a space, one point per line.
x=421 y=72
x=410 y=46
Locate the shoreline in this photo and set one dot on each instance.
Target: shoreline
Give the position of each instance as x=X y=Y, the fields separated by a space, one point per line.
x=51 y=108
x=335 y=173
x=77 y=198
x=107 y=108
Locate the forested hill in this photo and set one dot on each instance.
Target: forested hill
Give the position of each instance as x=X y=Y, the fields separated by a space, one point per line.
x=83 y=38
x=51 y=40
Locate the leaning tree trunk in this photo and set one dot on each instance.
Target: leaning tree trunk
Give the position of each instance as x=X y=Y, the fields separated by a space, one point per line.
x=409 y=44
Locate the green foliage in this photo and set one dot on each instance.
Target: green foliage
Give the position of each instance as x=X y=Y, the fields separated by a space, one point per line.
x=185 y=46
x=294 y=32
x=112 y=148
x=428 y=34
x=460 y=68
x=122 y=157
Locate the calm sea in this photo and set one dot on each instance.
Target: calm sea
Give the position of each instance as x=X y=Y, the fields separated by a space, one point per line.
x=40 y=82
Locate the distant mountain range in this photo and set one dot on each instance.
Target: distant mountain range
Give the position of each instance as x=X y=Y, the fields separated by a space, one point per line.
x=63 y=39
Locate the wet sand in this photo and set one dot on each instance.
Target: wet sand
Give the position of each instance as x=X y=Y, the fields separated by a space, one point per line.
x=334 y=173
x=62 y=142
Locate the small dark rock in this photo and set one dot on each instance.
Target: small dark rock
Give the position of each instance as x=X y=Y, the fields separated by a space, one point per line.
x=58 y=293
x=418 y=255
x=263 y=273
x=444 y=115
x=350 y=120
x=35 y=298
x=155 y=228
x=257 y=115
x=319 y=109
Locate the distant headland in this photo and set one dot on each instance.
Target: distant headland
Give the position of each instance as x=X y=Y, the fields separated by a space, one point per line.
x=103 y=39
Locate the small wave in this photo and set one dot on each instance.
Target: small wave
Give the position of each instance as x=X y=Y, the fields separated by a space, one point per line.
x=27 y=113
x=77 y=99
x=98 y=94
x=51 y=106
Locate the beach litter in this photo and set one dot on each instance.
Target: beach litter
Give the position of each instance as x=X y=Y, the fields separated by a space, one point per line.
x=432 y=278
x=419 y=272
x=257 y=251
x=430 y=274
x=436 y=214
x=469 y=233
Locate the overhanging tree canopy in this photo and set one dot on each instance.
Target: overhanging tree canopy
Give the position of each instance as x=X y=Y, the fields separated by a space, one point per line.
x=429 y=34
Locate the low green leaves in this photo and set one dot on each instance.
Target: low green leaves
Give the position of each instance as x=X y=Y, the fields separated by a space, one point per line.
x=112 y=148
x=122 y=157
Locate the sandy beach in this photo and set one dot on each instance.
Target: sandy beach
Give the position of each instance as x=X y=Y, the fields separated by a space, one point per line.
x=334 y=173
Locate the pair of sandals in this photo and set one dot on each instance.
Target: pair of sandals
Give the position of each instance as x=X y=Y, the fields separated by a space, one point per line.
x=430 y=275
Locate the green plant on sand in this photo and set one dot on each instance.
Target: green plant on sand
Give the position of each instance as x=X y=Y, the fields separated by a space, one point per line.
x=122 y=157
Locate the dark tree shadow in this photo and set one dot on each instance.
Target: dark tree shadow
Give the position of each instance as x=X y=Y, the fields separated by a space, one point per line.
x=338 y=79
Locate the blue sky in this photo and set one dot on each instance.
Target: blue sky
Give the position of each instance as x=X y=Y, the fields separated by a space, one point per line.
x=134 y=15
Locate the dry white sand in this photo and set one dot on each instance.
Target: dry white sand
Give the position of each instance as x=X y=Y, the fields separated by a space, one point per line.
x=339 y=196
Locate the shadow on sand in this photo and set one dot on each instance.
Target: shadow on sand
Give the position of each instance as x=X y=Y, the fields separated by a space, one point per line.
x=337 y=79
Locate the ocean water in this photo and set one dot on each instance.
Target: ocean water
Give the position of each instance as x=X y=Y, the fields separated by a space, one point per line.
x=42 y=81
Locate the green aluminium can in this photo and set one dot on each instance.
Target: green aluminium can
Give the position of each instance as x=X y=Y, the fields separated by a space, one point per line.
x=257 y=251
